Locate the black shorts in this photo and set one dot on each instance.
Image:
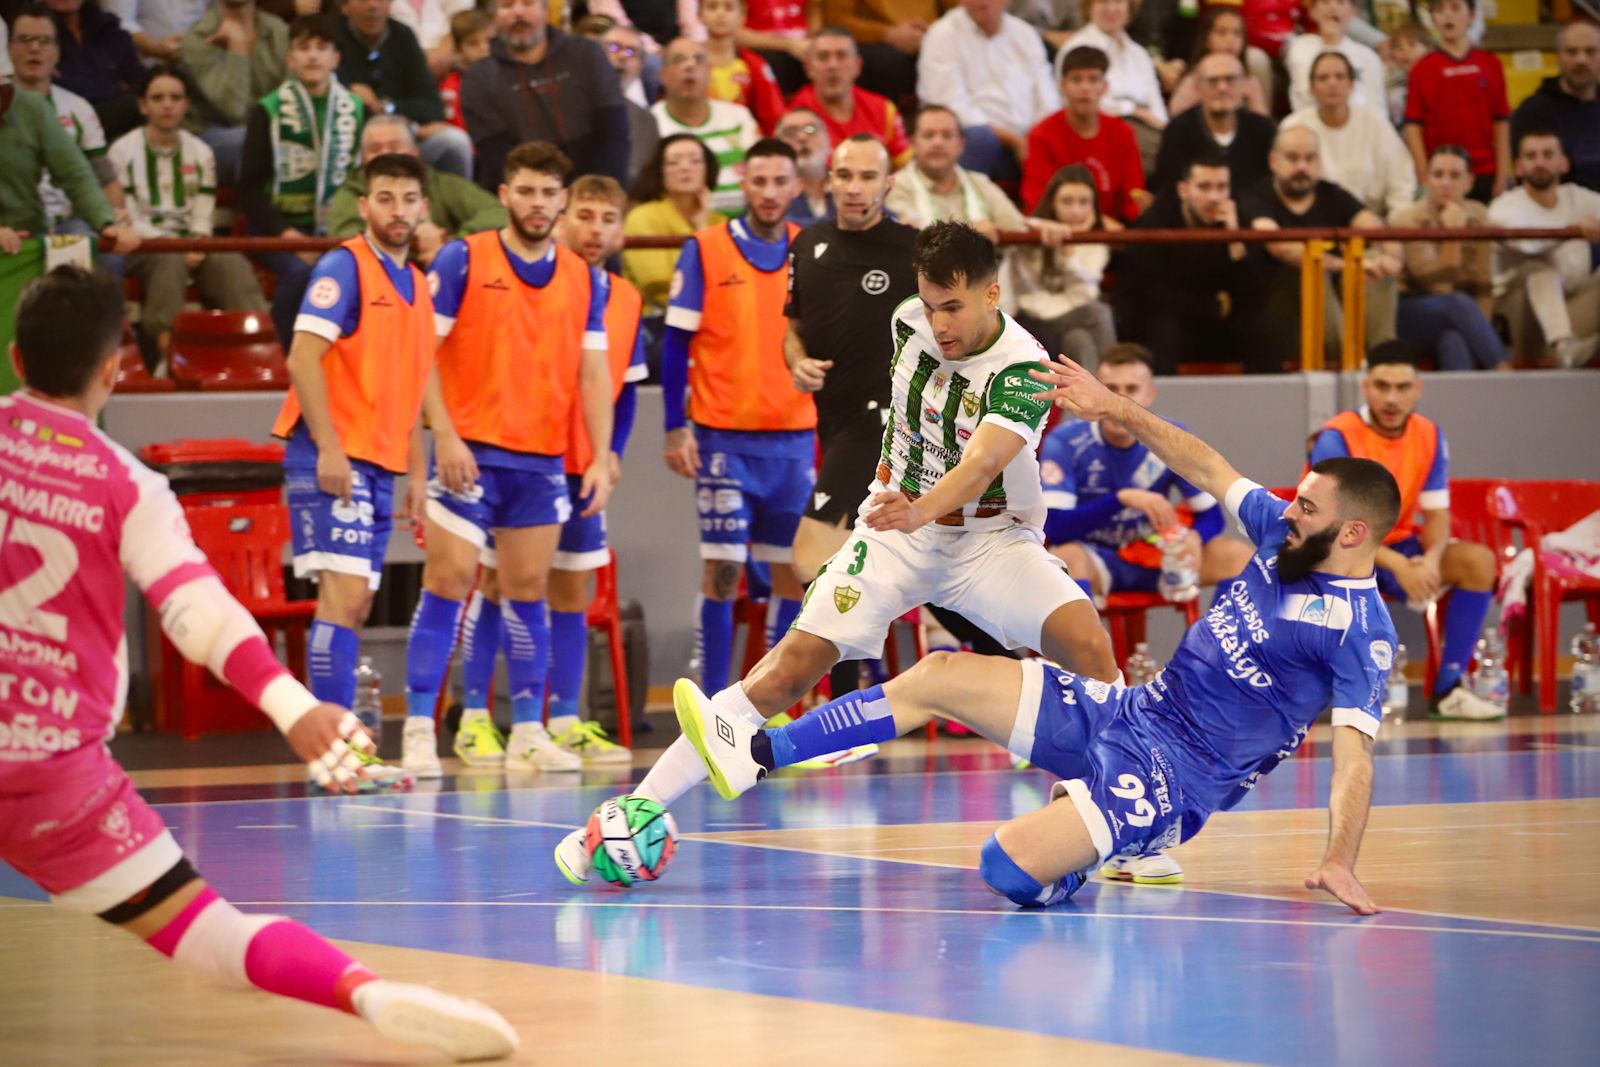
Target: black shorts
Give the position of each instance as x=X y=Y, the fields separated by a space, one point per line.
x=849 y=462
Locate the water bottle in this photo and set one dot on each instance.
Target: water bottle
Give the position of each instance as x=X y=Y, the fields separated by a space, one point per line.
x=1490 y=680
x=1585 y=671
x=1140 y=668
x=368 y=706
x=1180 y=579
x=1398 y=697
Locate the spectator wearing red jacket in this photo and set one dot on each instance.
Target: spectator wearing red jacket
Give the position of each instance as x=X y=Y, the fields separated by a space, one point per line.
x=834 y=64
x=1079 y=133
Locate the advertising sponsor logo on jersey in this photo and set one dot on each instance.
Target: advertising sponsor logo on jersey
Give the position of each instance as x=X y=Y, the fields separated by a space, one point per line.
x=875 y=282
x=324 y=293
x=1382 y=654
x=1317 y=609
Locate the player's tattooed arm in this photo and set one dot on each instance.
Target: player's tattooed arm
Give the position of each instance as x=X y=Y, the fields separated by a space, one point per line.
x=1349 y=799
x=1185 y=454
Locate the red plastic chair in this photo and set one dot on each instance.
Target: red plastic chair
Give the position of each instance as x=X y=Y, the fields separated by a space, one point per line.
x=1538 y=508
x=605 y=613
x=245 y=545
x=227 y=350
x=1124 y=614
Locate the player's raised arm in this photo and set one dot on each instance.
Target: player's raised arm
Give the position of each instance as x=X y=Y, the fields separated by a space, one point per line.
x=1188 y=457
x=1349 y=799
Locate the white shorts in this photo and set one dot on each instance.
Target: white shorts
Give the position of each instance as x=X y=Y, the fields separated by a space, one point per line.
x=1003 y=580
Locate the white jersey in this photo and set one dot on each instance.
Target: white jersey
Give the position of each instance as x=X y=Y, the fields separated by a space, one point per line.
x=171 y=192
x=938 y=404
x=83 y=126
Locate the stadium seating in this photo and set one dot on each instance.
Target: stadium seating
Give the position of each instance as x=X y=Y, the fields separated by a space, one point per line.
x=227 y=350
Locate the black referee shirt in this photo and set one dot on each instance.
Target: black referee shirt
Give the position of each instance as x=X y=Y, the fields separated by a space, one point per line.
x=843 y=287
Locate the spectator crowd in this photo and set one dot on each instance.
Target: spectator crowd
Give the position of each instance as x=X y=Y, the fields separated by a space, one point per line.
x=133 y=119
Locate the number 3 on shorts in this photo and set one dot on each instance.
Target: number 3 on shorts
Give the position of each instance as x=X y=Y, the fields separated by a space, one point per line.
x=860 y=550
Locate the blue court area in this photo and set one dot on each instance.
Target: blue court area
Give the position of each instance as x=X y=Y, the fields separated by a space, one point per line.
x=854 y=888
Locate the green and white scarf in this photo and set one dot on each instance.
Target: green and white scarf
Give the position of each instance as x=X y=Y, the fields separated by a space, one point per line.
x=311 y=160
x=972 y=206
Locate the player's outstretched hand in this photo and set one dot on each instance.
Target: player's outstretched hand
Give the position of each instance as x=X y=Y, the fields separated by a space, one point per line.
x=457 y=467
x=333 y=473
x=1079 y=391
x=810 y=374
x=893 y=511
x=596 y=488
x=1341 y=882
x=681 y=452
x=327 y=738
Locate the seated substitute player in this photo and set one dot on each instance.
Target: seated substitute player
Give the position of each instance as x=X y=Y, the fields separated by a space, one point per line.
x=591 y=227
x=1302 y=627
x=359 y=369
x=522 y=352
x=70 y=818
x=953 y=516
x=1419 y=560
x=1107 y=494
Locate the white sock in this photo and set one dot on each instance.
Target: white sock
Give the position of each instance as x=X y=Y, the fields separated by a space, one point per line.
x=469 y=714
x=560 y=724
x=677 y=771
x=733 y=699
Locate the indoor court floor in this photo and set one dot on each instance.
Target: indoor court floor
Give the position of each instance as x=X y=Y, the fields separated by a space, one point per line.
x=837 y=917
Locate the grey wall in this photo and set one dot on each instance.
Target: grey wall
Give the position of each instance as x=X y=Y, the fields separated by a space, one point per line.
x=1532 y=424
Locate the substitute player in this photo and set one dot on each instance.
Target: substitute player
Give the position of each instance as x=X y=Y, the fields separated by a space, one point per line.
x=78 y=512
x=846 y=276
x=522 y=352
x=1419 y=561
x=1302 y=627
x=1109 y=497
x=953 y=517
x=751 y=445
x=358 y=369
x=591 y=227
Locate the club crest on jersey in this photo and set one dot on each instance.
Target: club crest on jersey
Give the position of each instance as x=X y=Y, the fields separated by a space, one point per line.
x=324 y=294
x=969 y=404
x=1382 y=655
x=845 y=597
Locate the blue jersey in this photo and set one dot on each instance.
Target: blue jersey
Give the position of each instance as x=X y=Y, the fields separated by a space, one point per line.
x=689 y=280
x=1082 y=473
x=1251 y=676
x=331 y=308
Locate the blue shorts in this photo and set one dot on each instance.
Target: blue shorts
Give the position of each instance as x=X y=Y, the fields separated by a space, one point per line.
x=505 y=498
x=1388 y=584
x=330 y=535
x=750 y=506
x=583 y=539
x=1118 y=766
x=1117 y=575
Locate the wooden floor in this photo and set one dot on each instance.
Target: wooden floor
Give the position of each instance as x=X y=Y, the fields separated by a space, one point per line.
x=835 y=915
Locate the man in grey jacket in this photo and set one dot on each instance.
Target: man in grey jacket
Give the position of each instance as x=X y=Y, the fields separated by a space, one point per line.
x=235 y=54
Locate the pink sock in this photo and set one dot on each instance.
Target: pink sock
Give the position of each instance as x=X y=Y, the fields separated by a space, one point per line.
x=272 y=953
x=294 y=961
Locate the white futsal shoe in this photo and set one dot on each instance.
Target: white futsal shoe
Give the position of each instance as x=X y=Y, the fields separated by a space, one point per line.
x=721 y=739
x=572 y=859
x=419 y=748
x=1462 y=703
x=531 y=748
x=462 y=1029
x=1149 y=868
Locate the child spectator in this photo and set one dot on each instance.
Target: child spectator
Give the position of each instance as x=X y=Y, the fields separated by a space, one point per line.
x=1407 y=45
x=739 y=75
x=1081 y=133
x=1331 y=17
x=170 y=177
x=1457 y=95
x=470 y=31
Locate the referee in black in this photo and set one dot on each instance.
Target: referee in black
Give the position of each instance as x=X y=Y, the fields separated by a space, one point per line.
x=846 y=277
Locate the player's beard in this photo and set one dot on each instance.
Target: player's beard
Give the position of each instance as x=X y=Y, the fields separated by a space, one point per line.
x=530 y=235
x=1298 y=562
x=396 y=240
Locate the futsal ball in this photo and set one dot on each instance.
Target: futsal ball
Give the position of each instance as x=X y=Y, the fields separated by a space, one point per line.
x=630 y=839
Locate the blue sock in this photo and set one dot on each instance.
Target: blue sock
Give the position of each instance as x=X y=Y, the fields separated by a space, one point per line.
x=854 y=719
x=780 y=616
x=331 y=662
x=428 y=648
x=527 y=657
x=569 y=652
x=1462 y=622
x=715 y=636
x=480 y=644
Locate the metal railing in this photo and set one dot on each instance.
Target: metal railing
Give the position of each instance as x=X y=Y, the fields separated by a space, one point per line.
x=1317 y=244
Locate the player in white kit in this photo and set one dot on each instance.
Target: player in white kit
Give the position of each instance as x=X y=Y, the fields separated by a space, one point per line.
x=77 y=512
x=953 y=517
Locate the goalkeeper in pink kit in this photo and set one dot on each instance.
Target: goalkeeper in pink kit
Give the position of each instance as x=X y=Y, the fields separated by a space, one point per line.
x=77 y=511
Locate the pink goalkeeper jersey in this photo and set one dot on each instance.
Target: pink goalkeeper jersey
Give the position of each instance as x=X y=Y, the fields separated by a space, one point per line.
x=77 y=512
